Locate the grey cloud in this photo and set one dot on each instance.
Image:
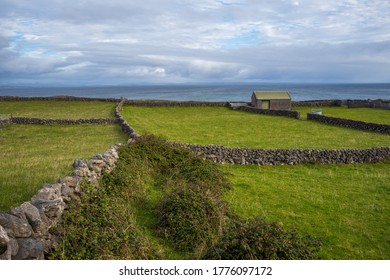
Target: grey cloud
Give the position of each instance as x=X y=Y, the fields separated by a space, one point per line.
x=202 y=40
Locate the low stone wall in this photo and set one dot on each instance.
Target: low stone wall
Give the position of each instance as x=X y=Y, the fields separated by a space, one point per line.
x=172 y=103
x=280 y=113
x=375 y=127
x=5 y=121
x=246 y=156
x=24 y=230
x=58 y=98
x=126 y=128
x=24 y=120
x=316 y=103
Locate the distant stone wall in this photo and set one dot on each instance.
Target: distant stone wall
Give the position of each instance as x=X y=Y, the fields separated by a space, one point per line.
x=126 y=128
x=24 y=120
x=316 y=103
x=246 y=156
x=58 y=98
x=24 y=230
x=280 y=113
x=172 y=103
x=5 y=121
x=379 y=103
x=375 y=127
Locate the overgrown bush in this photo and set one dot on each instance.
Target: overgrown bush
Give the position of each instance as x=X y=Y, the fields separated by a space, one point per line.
x=101 y=226
x=190 y=218
x=257 y=239
x=168 y=195
x=171 y=163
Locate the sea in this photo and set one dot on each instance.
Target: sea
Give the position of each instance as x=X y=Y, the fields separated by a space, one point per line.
x=191 y=92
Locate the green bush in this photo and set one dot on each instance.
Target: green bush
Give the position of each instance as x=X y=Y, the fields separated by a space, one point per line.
x=190 y=218
x=257 y=239
x=161 y=201
x=101 y=226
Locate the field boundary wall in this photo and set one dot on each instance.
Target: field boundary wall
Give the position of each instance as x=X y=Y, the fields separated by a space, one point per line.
x=367 y=126
x=279 y=113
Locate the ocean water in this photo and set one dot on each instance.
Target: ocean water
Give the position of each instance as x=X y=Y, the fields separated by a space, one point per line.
x=234 y=92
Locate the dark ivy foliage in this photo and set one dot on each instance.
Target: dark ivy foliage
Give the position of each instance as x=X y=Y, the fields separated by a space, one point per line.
x=257 y=239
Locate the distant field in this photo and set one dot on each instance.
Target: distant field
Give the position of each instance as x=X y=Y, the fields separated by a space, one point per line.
x=222 y=126
x=347 y=206
x=360 y=114
x=58 y=109
x=32 y=155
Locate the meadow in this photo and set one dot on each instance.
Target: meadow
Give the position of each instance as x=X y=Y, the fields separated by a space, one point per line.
x=33 y=155
x=346 y=206
x=222 y=126
x=58 y=109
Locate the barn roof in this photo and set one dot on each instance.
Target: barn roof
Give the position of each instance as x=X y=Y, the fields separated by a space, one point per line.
x=272 y=95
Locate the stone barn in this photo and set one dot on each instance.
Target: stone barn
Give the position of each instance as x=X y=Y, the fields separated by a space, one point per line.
x=271 y=100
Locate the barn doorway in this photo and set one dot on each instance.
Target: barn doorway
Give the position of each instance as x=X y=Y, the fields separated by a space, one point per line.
x=265 y=104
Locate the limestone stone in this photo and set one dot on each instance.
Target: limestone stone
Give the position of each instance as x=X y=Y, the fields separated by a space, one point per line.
x=51 y=208
x=4 y=240
x=15 y=226
x=33 y=216
x=30 y=249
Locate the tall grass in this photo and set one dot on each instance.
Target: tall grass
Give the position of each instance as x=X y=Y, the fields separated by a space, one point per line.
x=222 y=126
x=347 y=206
x=32 y=155
x=58 y=109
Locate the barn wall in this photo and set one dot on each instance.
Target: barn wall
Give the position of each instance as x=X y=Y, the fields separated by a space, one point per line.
x=280 y=105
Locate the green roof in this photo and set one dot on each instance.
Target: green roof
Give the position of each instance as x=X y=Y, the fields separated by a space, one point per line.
x=269 y=95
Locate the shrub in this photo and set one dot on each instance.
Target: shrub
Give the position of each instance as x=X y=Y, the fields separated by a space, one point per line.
x=257 y=239
x=190 y=218
x=101 y=226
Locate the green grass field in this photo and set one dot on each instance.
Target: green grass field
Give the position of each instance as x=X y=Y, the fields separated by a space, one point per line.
x=359 y=114
x=58 y=109
x=222 y=126
x=32 y=155
x=347 y=206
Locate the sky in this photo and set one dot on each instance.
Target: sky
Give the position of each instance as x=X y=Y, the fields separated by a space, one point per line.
x=124 y=42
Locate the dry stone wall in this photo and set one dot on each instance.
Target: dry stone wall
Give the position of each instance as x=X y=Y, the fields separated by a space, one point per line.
x=172 y=103
x=316 y=103
x=39 y=121
x=246 y=156
x=58 y=98
x=24 y=230
x=280 y=113
x=126 y=128
x=375 y=127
